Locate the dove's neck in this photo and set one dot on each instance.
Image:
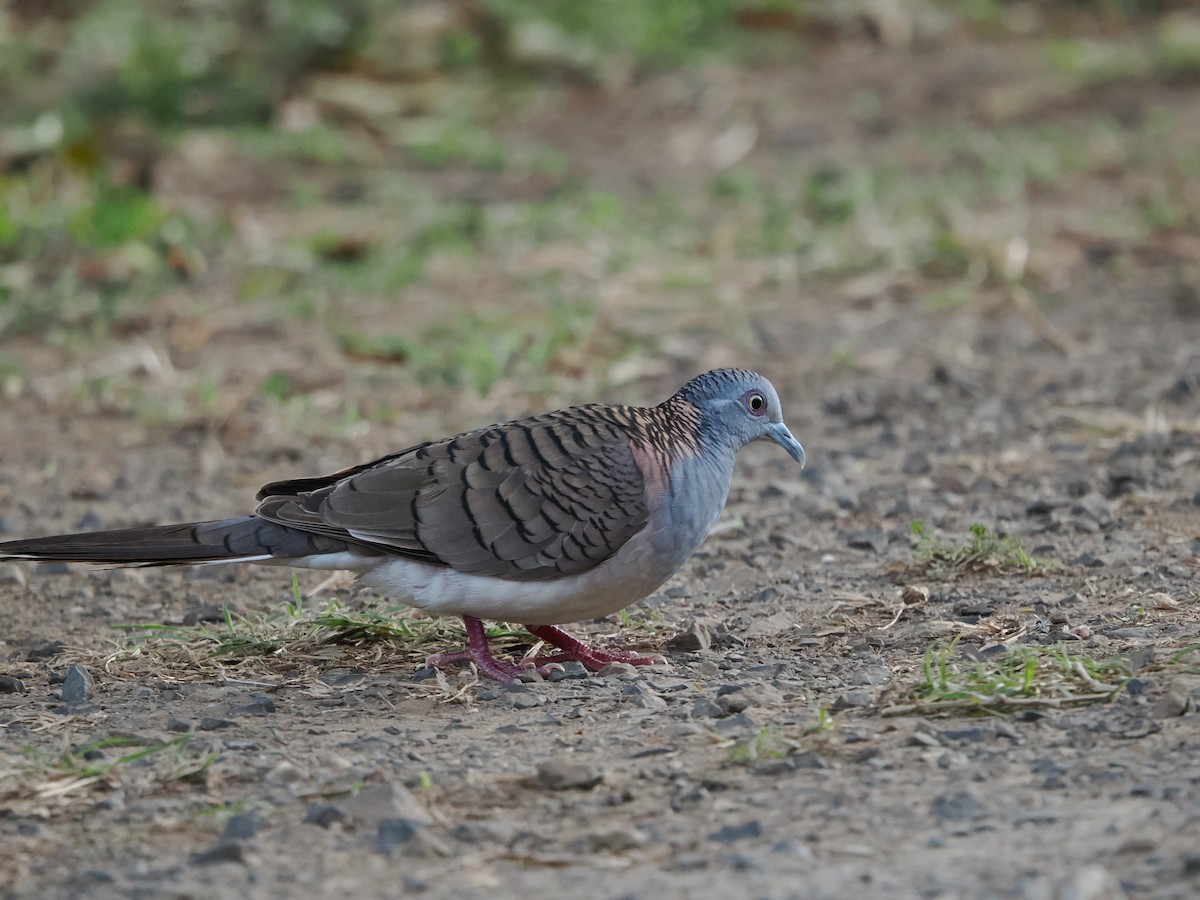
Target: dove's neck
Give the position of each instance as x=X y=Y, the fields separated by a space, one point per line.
x=694 y=496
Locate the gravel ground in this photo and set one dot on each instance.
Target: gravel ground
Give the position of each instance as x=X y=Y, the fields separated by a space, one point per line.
x=784 y=749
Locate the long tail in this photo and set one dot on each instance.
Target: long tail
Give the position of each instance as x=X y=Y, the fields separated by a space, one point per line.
x=244 y=539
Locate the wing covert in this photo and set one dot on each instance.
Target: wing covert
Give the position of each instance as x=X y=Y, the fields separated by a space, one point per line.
x=541 y=498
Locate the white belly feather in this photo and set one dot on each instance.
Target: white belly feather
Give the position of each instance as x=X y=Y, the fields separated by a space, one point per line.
x=630 y=575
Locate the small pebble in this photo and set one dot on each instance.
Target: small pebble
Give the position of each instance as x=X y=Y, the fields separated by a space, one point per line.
x=695 y=637
x=737 y=725
x=324 y=814
x=78 y=685
x=570 y=670
x=46 y=650
x=11 y=573
x=1176 y=701
x=221 y=853
x=852 y=700
x=705 y=708
x=243 y=826
x=562 y=775
x=618 y=670
x=212 y=613
x=736 y=703
x=377 y=802
x=411 y=837
x=730 y=834
x=261 y=705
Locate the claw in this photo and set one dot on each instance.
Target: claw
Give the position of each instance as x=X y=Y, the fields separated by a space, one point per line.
x=574 y=650
x=541 y=665
x=478 y=652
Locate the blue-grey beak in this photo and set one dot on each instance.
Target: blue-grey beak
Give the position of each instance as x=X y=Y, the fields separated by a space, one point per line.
x=778 y=432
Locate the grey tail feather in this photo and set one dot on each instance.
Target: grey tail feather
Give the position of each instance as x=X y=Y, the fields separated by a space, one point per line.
x=244 y=538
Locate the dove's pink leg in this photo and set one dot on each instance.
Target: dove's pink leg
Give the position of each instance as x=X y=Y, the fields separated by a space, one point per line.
x=574 y=649
x=478 y=652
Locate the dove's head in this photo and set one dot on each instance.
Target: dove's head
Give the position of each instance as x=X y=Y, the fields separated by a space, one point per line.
x=738 y=407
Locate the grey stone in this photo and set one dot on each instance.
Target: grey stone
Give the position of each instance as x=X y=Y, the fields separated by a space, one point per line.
x=563 y=775
x=1178 y=699
x=324 y=814
x=78 y=686
x=610 y=840
x=730 y=834
x=688 y=796
x=211 y=613
x=852 y=700
x=46 y=650
x=221 y=853
x=410 y=837
x=570 y=670
x=260 y=705
x=871 y=676
x=736 y=702
x=11 y=573
x=705 y=708
x=377 y=802
x=961 y=806
x=1092 y=882
x=243 y=826
x=393 y=833
x=695 y=636
x=808 y=759
x=737 y=725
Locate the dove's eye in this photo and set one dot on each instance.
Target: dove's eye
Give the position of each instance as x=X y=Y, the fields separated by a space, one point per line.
x=755 y=402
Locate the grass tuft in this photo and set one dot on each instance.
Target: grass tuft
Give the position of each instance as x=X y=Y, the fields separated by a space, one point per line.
x=985 y=551
x=297 y=640
x=1025 y=677
x=56 y=776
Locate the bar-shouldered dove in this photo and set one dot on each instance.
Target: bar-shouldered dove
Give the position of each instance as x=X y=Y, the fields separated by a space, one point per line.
x=547 y=520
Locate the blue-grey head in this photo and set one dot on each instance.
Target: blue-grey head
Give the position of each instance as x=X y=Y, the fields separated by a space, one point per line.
x=738 y=407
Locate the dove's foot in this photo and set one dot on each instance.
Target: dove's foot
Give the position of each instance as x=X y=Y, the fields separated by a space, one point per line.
x=575 y=650
x=478 y=652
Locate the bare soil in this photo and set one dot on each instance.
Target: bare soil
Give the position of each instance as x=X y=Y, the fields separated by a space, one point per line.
x=787 y=758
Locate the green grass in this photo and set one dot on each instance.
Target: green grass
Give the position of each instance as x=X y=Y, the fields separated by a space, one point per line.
x=585 y=36
x=453 y=205
x=771 y=743
x=1172 y=52
x=53 y=775
x=983 y=551
x=296 y=634
x=1021 y=673
x=1021 y=678
x=767 y=744
x=476 y=349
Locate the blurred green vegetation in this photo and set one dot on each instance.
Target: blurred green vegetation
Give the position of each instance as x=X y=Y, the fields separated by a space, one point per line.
x=339 y=163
